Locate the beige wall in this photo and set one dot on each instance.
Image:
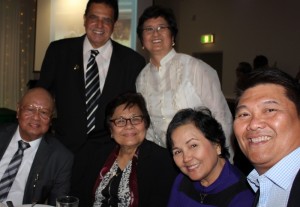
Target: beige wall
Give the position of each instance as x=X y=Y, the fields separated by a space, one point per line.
x=243 y=28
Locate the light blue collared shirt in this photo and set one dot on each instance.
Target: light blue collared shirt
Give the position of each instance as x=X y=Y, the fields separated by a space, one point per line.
x=275 y=185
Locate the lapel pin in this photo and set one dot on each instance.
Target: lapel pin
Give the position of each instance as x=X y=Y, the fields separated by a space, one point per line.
x=76 y=67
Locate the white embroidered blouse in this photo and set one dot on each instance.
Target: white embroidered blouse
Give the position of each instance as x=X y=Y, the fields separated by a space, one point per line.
x=181 y=81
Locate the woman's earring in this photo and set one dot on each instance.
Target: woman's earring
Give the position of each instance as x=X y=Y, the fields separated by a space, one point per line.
x=173 y=44
x=143 y=47
x=218 y=150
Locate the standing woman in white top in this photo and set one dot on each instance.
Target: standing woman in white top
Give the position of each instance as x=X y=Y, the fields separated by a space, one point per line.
x=172 y=81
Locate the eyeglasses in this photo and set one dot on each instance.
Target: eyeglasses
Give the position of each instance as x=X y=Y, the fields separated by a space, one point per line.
x=159 y=29
x=121 y=122
x=30 y=110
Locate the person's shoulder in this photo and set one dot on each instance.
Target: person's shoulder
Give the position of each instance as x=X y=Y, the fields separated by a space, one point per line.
x=8 y=127
x=56 y=145
x=153 y=151
x=149 y=145
x=67 y=41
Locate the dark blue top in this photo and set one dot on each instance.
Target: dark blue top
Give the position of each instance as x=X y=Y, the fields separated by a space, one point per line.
x=229 y=190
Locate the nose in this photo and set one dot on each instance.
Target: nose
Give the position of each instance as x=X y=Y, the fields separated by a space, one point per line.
x=99 y=22
x=128 y=124
x=255 y=123
x=36 y=114
x=186 y=157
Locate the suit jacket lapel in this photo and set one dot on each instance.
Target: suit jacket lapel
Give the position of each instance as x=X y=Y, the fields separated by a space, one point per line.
x=39 y=161
x=77 y=70
x=6 y=136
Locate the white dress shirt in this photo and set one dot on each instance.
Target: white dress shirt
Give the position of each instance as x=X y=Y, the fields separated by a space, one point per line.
x=16 y=192
x=181 y=81
x=102 y=59
x=275 y=185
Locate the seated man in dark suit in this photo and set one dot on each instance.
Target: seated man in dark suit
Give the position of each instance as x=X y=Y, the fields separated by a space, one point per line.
x=34 y=166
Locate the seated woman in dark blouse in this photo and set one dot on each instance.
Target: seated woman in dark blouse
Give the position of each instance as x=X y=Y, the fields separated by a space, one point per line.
x=130 y=171
x=197 y=143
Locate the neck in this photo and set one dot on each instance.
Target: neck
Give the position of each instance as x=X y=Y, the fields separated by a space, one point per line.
x=125 y=155
x=214 y=174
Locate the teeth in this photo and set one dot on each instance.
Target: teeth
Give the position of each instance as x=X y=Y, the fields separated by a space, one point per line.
x=260 y=139
x=191 y=167
x=156 y=41
x=98 y=32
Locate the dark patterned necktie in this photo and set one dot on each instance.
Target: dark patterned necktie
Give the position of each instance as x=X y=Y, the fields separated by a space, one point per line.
x=12 y=170
x=92 y=90
x=256 y=199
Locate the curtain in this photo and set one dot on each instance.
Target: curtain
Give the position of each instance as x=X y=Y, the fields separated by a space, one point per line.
x=17 y=43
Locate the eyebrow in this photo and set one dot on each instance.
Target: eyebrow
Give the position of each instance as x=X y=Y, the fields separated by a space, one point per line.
x=186 y=143
x=267 y=102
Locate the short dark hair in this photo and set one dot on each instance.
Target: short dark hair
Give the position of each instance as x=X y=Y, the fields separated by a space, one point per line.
x=130 y=99
x=204 y=121
x=244 y=68
x=111 y=3
x=271 y=76
x=260 y=62
x=155 y=12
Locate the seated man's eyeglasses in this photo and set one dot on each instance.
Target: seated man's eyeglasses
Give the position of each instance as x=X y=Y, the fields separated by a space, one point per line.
x=30 y=110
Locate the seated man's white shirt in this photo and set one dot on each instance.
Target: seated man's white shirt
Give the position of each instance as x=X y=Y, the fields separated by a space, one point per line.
x=275 y=185
x=16 y=192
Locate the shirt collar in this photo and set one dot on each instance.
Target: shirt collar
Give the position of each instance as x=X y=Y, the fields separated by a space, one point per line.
x=279 y=174
x=166 y=59
x=33 y=144
x=104 y=50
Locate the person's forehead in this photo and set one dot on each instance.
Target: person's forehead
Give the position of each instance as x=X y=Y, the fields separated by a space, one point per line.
x=96 y=6
x=38 y=97
x=265 y=90
x=264 y=94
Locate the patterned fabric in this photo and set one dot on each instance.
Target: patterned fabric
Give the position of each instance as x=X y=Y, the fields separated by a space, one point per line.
x=92 y=90
x=275 y=184
x=127 y=191
x=12 y=170
x=181 y=82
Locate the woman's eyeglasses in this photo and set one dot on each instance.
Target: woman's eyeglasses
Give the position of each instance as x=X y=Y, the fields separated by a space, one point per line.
x=121 y=122
x=159 y=29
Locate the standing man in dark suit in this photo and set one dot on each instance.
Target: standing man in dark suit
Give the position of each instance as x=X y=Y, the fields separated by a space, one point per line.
x=45 y=170
x=64 y=70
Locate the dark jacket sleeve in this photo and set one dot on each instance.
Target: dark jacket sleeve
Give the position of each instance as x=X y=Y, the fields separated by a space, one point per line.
x=156 y=174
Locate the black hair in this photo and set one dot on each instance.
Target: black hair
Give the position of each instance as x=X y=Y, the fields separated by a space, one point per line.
x=129 y=99
x=204 y=121
x=111 y=3
x=271 y=76
x=155 y=12
x=260 y=62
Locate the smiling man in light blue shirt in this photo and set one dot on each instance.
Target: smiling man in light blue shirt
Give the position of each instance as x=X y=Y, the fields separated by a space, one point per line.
x=267 y=127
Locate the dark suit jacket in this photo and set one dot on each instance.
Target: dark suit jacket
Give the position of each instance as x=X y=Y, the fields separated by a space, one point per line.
x=294 y=198
x=62 y=73
x=155 y=173
x=52 y=166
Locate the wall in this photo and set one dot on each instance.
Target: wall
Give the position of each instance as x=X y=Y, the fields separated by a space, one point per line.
x=243 y=29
